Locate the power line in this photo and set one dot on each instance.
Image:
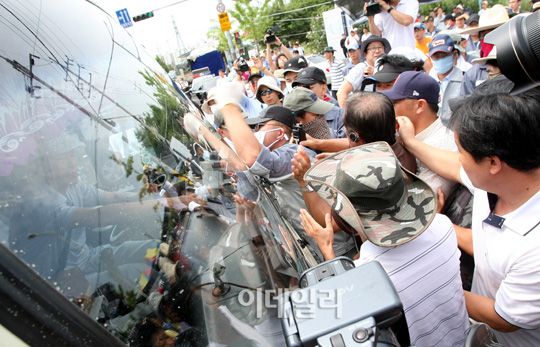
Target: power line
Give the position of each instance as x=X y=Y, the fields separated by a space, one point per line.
x=288 y=20
x=300 y=9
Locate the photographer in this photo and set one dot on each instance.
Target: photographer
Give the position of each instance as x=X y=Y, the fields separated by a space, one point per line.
x=395 y=21
x=269 y=39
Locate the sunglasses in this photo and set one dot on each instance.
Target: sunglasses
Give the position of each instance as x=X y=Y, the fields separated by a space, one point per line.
x=266 y=92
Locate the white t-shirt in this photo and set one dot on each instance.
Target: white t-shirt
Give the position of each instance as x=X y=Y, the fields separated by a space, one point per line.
x=356 y=75
x=507 y=263
x=395 y=33
x=426 y=274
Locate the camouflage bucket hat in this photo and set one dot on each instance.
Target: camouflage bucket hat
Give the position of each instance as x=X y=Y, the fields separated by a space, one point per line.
x=369 y=189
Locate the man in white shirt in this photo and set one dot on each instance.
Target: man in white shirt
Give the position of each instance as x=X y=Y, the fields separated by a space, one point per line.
x=395 y=22
x=498 y=162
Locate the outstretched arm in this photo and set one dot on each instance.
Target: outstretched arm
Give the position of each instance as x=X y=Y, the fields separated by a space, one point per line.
x=323 y=236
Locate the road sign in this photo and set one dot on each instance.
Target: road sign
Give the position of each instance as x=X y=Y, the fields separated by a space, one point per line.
x=221 y=7
x=224 y=21
x=124 y=18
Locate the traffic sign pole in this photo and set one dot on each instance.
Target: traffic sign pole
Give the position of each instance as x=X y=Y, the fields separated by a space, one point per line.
x=232 y=50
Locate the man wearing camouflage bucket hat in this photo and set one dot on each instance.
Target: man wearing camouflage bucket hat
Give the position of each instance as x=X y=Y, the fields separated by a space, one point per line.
x=393 y=212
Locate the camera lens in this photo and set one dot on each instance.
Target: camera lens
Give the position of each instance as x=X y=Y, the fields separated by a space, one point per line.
x=518 y=50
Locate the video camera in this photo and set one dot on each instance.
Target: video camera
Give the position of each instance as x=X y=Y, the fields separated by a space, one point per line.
x=339 y=305
x=298 y=132
x=373 y=8
x=271 y=38
x=242 y=64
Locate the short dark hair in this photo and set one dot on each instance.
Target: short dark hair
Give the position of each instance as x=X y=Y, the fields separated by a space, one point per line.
x=502 y=125
x=372 y=116
x=396 y=60
x=434 y=108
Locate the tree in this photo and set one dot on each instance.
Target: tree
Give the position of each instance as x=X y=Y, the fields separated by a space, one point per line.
x=252 y=19
x=216 y=34
x=296 y=25
x=164 y=65
x=316 y=38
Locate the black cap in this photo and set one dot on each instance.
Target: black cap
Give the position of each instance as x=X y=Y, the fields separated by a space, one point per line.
x=256 y=74
x=448 y=16
x=474 y=18
x=275 y=112
x=375 y=38
x=429 y=19
x=310 y=75
x=295 y=64
x=388 y=72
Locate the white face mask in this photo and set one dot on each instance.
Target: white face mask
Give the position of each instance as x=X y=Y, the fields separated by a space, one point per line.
x=260 y=135
x=213 y=108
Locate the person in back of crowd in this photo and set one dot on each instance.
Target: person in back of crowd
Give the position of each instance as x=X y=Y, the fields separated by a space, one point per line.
x=253 y=79
x=431 y=29
x=292 y=68
x=497 y=162
x=415 y=95
x=389 y=67
x=449 y=23
x=421 y=40
x=314 y=79
x=395 y=22
x=353 y=50
x=366 y=34
x=394 y=213
x=372 y=49
x=281 y=80
x=343 y=45
x=222 y=78
x=299 y=48
x=460 y=21
x=491 y=19
x=352 y=38
x=485 y=5
x=281 y=57
x=439 y=19
x=515 y=6
x=268 y=91
x=420 y=60
x=310 y=112
x=335 y=67
x=443 y=54
x=473 y=41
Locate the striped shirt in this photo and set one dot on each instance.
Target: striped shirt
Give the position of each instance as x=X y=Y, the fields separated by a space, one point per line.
x=425 y=272
x=336 y=73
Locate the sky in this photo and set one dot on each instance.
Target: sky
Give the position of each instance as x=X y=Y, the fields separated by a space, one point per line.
x=157 y=34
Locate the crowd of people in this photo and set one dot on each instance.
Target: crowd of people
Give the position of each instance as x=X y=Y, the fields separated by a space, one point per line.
x=412 y=152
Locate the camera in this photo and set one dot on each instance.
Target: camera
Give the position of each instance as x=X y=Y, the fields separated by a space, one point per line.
x=374 y=7
x=340 y=305
x=271 y=38
x=243 y=65
x=518 y=50
x=298 y=132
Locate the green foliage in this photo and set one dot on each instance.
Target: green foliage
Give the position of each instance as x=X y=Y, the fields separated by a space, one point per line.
x=252 y=18
x=316 y=38
x=448 y=5
x=216 y=34
x=164 y=65
x=297 y=25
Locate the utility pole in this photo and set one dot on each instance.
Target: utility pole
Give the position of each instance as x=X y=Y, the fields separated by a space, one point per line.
x=179 y=41
x=229 y=38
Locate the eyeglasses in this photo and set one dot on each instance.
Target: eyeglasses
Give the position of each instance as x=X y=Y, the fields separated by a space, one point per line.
x=266 y=92
x=378 y=48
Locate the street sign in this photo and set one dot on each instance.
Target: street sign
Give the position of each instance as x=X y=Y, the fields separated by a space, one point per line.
x=224 y=21
x=221 y=7
x=124 y=18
